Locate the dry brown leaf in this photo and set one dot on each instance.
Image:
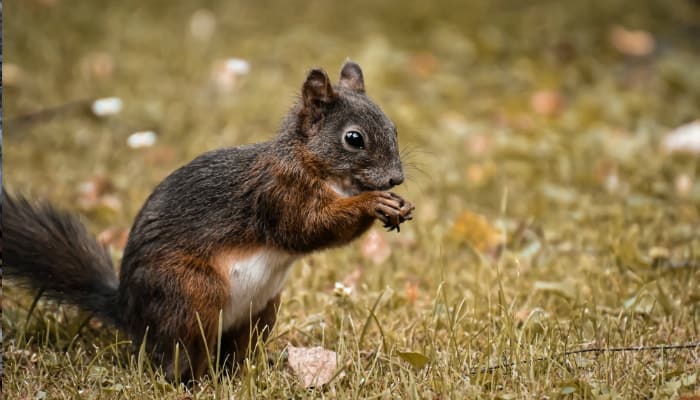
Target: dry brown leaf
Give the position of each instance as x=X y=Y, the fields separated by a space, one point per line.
x=114 y=236
x=92 y=190
x=353 y=279
x=478 y=144
x=315 y=366
x=375 y=247
x=605 y=172
x=477 y=231
x=111 y=202
x=546 y=102
x=521 y=315
x=95 y=324
x=411 y=289
x=629 y=42
x=424 y=64
x=480 y=173
x=98 y=65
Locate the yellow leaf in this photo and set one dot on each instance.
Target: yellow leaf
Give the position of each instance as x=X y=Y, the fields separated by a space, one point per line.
x=476 y=231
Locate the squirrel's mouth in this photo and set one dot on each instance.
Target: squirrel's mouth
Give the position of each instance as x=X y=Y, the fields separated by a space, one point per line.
x=365 y=187
x=354 y=186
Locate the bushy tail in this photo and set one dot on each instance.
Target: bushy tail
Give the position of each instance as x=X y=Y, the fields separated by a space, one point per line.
x=49 y=250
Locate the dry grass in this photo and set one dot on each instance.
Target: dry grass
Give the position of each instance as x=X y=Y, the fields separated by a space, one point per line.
x=545 y=222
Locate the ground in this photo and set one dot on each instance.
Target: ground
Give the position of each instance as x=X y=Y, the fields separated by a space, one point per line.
x=549 y=215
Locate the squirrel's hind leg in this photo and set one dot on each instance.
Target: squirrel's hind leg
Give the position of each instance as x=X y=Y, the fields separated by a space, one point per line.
x=235 y=342
x=181 y=311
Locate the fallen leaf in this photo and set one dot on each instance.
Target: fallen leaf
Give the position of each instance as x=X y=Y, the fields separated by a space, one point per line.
x=411 y=289
x=478 y=144
x=95 y=187
x=480 y=173
x=417 y=360
x=114 y=236
x=95 y=323
x=606 y=173
x=353 y=279
x=424 y=64
x=91 y=191
x=111 y=202
x=475 y=230
x=375 y=247
x=546 y=102
x=315 y=366
x=684 y=139
x=98 y=65
x=521 y=315
x=637 y=43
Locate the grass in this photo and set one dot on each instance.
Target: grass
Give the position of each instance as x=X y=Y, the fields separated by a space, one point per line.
x=548 y=217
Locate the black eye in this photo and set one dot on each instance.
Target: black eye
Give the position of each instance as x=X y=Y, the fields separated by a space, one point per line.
x=354 y=139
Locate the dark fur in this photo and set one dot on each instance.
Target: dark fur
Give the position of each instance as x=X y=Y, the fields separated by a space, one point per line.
x=273 y=194
x=58 y=255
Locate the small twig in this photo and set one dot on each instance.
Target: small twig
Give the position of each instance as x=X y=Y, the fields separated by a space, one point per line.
x=662 y=347
x=45 y=114
x=38 y=295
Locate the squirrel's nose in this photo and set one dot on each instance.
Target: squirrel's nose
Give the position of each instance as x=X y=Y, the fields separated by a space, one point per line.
x=396 y=180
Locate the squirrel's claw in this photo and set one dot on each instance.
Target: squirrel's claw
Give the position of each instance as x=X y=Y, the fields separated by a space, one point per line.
x=393 y=210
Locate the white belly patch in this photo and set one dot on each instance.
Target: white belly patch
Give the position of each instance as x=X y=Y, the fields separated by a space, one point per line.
x=254 y=280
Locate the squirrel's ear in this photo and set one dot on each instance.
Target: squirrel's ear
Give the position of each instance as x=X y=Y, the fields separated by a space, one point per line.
x=351 y=77
x=317 y=90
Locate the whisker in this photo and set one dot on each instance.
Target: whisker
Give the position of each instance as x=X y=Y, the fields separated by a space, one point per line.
x=410 y=166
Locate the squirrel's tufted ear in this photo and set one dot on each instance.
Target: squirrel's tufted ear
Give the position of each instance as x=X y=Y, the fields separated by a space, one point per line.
x=317 y=90
x=351 y=77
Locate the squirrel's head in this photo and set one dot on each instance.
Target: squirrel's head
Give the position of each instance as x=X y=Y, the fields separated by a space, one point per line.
x=354 y=141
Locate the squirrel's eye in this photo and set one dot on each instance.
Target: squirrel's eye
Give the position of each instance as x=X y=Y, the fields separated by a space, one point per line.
x=354 y=139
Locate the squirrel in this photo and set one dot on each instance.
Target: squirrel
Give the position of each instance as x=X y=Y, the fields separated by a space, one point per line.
x=215 y=240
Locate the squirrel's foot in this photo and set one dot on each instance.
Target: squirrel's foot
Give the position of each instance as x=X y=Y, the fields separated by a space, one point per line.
x=392 y=210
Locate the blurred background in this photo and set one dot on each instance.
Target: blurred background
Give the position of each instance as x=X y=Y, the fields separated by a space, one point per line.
x=488 y=94
x=555 y=142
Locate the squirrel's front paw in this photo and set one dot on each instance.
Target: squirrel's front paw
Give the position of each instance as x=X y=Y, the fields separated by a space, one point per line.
x=392 y=210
